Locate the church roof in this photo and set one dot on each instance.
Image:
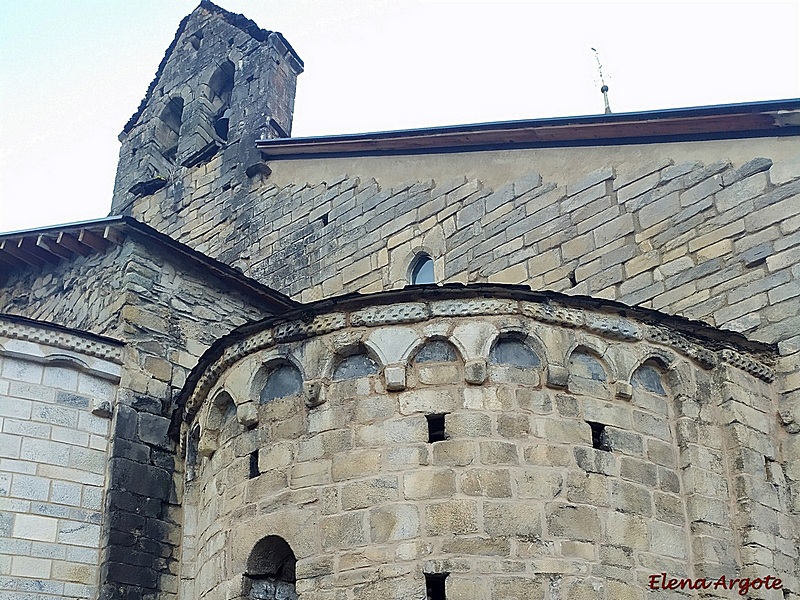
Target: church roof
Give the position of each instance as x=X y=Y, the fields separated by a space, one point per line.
x=729 y=121
x=48 y=246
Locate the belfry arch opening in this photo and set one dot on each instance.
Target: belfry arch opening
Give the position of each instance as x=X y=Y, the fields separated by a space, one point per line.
x=168 y=128
x=221 y=87
x=270 y=571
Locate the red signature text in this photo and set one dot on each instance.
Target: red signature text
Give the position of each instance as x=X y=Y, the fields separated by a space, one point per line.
x=660 y=581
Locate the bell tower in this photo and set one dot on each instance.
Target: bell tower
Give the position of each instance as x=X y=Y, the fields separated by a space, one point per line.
x=222 y=84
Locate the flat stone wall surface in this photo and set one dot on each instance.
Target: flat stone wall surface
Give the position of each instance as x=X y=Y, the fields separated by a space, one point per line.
x=57 y=391
x=589 y=453
x=675 y=227
x=85 y=293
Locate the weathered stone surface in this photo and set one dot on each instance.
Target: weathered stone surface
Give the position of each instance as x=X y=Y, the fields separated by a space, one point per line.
x=505 y=474
x=457 y=517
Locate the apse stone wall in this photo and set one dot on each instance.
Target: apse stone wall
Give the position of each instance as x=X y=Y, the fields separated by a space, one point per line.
x=509 y=446
x=57 y=391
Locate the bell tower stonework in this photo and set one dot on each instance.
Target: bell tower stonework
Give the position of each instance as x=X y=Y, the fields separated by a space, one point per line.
x=223 y=83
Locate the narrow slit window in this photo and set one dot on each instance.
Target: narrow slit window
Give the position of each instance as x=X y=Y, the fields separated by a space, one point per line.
x=435 y=586
x=254 y=472
x=599 y=437
x=436 y=432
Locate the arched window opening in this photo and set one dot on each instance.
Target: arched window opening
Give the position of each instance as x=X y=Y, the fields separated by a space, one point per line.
x=221 y=83
x=437 y=363
x=513 y=352
x=436 y=351
x=648 y=378
x=221 y=125
x=587 y=375
x=284 y=380
x=271 y=571
x=168 y=128
x=222 y=410
x=222 y=417
x=585 y=366
x=221 y=87
x=355 y=366
x=422 y=270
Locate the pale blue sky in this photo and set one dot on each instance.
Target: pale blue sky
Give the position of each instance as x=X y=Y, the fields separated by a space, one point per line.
x=74 y=71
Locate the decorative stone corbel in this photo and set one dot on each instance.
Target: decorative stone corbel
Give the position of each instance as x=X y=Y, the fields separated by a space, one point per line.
x=208 y=443
x=395 y=377
x=557 y=377
x=624 y=390
x=313 y=392
x=101 y=408
x=788 y=421
x=247 y=413
x=475 y=371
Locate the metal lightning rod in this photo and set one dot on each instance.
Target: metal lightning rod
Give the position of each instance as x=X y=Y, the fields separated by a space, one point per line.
x=604 y=87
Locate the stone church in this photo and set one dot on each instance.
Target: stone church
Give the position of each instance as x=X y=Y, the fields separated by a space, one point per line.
x=547 y=359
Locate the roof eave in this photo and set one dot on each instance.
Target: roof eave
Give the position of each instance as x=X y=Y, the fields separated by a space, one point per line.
x=757 y=119
x=35 y=248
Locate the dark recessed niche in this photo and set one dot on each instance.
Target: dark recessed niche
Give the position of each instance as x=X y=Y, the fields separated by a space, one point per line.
x=221 y=127
x=572 y=281
x=436 y=432
x=773 y=470
x=435 y=586
x=599 y=438
x=254 y=472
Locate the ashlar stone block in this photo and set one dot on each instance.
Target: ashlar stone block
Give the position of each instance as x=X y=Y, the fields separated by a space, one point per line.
x=356 y=463
x=310 y=473
x=427 y=401
x=518 y=588
x=668 y=540
x=468 y=424
x=35 y=527
x=631 y=498
x=623 y=529
x=454 y=517
x=499 y=453
x=369 y=492
x=573 y=522
x=392 y=523
x=491 y=483
x=454 y=452
x=343 y=531
x=511 y=519
x=429 y=483
x=587 y=488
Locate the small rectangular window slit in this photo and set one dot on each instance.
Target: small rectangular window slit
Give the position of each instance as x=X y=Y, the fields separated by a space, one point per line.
x=599 y=438
x=773 y=470
x=436 y=431
x=254 y=472
x=435 y=586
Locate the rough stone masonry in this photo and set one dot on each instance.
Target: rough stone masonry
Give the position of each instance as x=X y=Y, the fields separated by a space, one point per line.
x=602 y=387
